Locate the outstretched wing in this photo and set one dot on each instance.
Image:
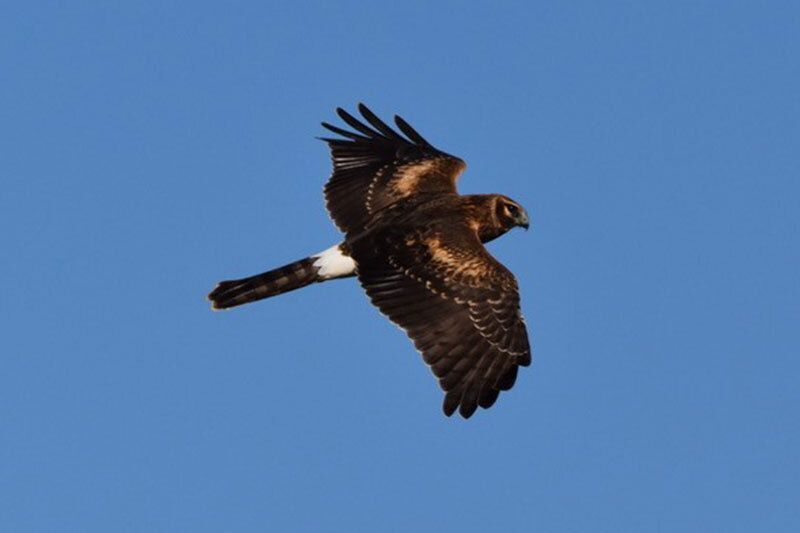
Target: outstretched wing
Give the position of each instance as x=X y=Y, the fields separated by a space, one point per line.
x=376 y=167
x=457 y=303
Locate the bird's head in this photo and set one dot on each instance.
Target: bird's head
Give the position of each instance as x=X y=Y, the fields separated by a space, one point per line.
x=495 y=214
x=510 y=214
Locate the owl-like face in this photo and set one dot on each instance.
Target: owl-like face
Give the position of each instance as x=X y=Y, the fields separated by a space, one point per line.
x=510 y=213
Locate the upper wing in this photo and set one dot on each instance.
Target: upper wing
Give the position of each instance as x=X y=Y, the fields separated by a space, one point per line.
x=457 y=303
x=377 y=166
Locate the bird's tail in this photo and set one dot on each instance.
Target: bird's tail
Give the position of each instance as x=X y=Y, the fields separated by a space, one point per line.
x=287 y=278
x=330 y=264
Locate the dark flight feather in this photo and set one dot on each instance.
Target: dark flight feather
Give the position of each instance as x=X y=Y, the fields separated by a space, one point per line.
x=378 y=124
x=375 y=168
x=417 y=247
x=410 y=132
x=433 y=277
x=355 y=123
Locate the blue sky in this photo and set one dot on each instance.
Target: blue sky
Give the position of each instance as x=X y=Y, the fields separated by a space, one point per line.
x=149 y=150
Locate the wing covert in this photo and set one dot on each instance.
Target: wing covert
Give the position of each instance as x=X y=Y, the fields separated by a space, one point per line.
x=374 y=167
x=457 y=303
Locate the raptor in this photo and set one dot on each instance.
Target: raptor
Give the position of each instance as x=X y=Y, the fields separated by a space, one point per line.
x=417 y=248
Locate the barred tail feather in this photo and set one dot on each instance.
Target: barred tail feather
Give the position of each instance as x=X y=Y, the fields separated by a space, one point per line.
x=287 y=278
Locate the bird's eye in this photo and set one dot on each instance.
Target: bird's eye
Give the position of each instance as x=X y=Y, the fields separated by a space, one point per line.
x=512 y=209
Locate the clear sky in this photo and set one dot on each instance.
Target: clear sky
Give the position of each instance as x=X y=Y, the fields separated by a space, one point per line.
x=148 y=150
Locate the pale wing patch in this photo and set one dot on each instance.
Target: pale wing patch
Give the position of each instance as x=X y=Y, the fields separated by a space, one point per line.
x=407 y=178
x=460 y=261
x=415 y=177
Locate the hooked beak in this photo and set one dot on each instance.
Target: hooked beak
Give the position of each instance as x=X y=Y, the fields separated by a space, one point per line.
x=522 y=219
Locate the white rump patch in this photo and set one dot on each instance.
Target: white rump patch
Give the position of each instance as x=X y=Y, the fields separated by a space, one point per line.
x=332 y=263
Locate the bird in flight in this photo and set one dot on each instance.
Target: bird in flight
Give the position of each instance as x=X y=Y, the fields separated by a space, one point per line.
x=417 y=248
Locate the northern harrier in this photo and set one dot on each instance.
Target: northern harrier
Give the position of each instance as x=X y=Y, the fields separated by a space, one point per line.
x=416 y=246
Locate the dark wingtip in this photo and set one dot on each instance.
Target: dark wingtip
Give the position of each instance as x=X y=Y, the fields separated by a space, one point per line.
x=507 y=380
x=410 y=132
x=354 y=123
x=384 y=129
x=450 y=403
x=467 y=409
x=349 y=135
x=343 y=114
x=488 y=398
x=454 y=401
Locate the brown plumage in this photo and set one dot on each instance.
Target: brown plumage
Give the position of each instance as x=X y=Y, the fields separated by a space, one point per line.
x=416 y=246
